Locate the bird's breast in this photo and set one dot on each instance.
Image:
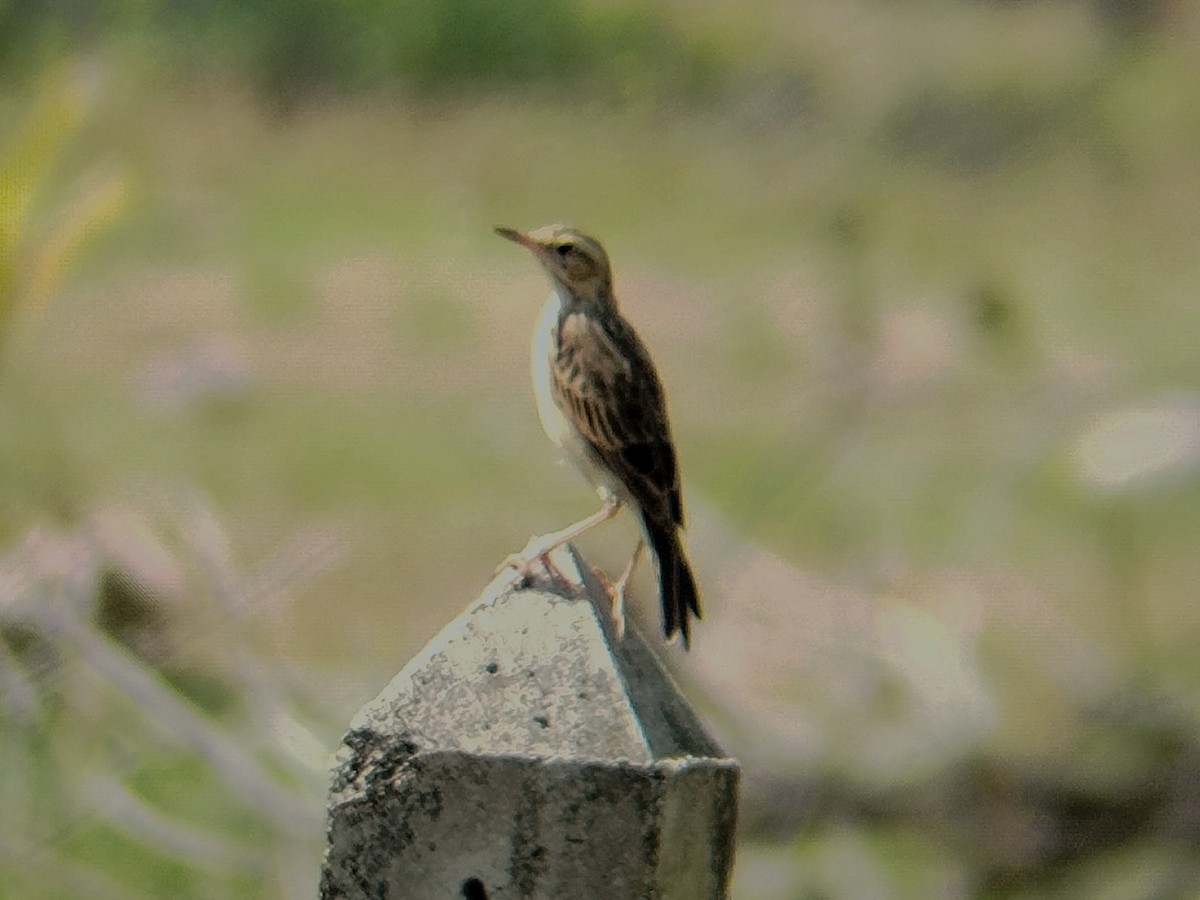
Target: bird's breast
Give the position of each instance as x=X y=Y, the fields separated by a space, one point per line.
x=542 y=354
x=557 y=426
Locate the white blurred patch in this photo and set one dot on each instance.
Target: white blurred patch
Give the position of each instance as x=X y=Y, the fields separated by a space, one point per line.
x=917 y=345
x=1140 y=446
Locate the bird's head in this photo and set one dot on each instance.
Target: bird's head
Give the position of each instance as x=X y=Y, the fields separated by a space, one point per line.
x=576 y=263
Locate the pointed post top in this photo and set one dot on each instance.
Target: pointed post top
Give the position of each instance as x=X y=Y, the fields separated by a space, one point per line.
x=531 y=672
x=523 y=754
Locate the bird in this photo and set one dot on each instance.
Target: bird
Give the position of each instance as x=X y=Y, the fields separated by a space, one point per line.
x=599 y=398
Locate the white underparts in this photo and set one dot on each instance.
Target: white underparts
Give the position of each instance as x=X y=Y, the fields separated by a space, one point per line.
x=556 y=425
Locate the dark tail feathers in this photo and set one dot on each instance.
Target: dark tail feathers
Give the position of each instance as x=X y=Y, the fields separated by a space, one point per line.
x=676 y=584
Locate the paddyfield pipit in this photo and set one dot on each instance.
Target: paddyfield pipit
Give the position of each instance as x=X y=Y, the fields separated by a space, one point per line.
x=600 y=400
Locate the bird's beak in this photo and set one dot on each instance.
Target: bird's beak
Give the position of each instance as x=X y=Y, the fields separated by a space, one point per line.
x=518 y=237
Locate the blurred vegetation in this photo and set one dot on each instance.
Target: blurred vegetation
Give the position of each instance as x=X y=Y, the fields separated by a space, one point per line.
x=36 y=250
x=138 y=763
x=291 y=50
x=921 y=278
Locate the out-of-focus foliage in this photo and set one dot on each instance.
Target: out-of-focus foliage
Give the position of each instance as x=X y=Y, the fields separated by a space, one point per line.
x=37 y=250
x=138 y=760
x=293 y=49
x=921 y=281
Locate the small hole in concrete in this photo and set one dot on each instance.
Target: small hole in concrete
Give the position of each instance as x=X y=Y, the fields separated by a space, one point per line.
x=492 y=668
x=473 y=889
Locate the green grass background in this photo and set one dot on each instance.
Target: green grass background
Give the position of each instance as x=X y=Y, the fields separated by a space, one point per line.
x=900 y=264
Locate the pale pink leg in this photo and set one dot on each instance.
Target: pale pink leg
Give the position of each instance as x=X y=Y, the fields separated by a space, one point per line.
x=617 y=594
x=538 y=549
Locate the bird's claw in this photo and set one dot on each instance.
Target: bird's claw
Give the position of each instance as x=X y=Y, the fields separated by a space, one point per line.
x=524 y=563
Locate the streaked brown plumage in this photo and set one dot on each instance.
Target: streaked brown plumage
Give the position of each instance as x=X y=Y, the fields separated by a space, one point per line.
x=599 y=397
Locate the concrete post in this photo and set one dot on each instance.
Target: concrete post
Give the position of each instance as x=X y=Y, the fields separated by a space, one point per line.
x=520 y=755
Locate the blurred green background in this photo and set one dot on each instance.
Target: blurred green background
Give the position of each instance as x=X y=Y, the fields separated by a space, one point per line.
x=920 y=278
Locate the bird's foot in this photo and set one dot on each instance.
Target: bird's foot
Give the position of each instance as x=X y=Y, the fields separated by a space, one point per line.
x=539 y=546
x=615 y=591
x=523 y=564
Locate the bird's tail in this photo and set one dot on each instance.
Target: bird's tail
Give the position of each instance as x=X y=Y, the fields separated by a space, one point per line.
x=676 y=584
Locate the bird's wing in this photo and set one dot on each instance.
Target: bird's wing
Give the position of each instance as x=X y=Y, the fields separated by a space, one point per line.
x=605 y=383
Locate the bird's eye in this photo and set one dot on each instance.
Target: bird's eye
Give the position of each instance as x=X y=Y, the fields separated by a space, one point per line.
x=564 y=250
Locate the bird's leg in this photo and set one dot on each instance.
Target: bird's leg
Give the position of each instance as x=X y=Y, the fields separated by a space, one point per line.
x=538 y=549
x=617 y=591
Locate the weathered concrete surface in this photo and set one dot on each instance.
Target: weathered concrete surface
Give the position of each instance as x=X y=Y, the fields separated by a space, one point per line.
x=518 y=756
